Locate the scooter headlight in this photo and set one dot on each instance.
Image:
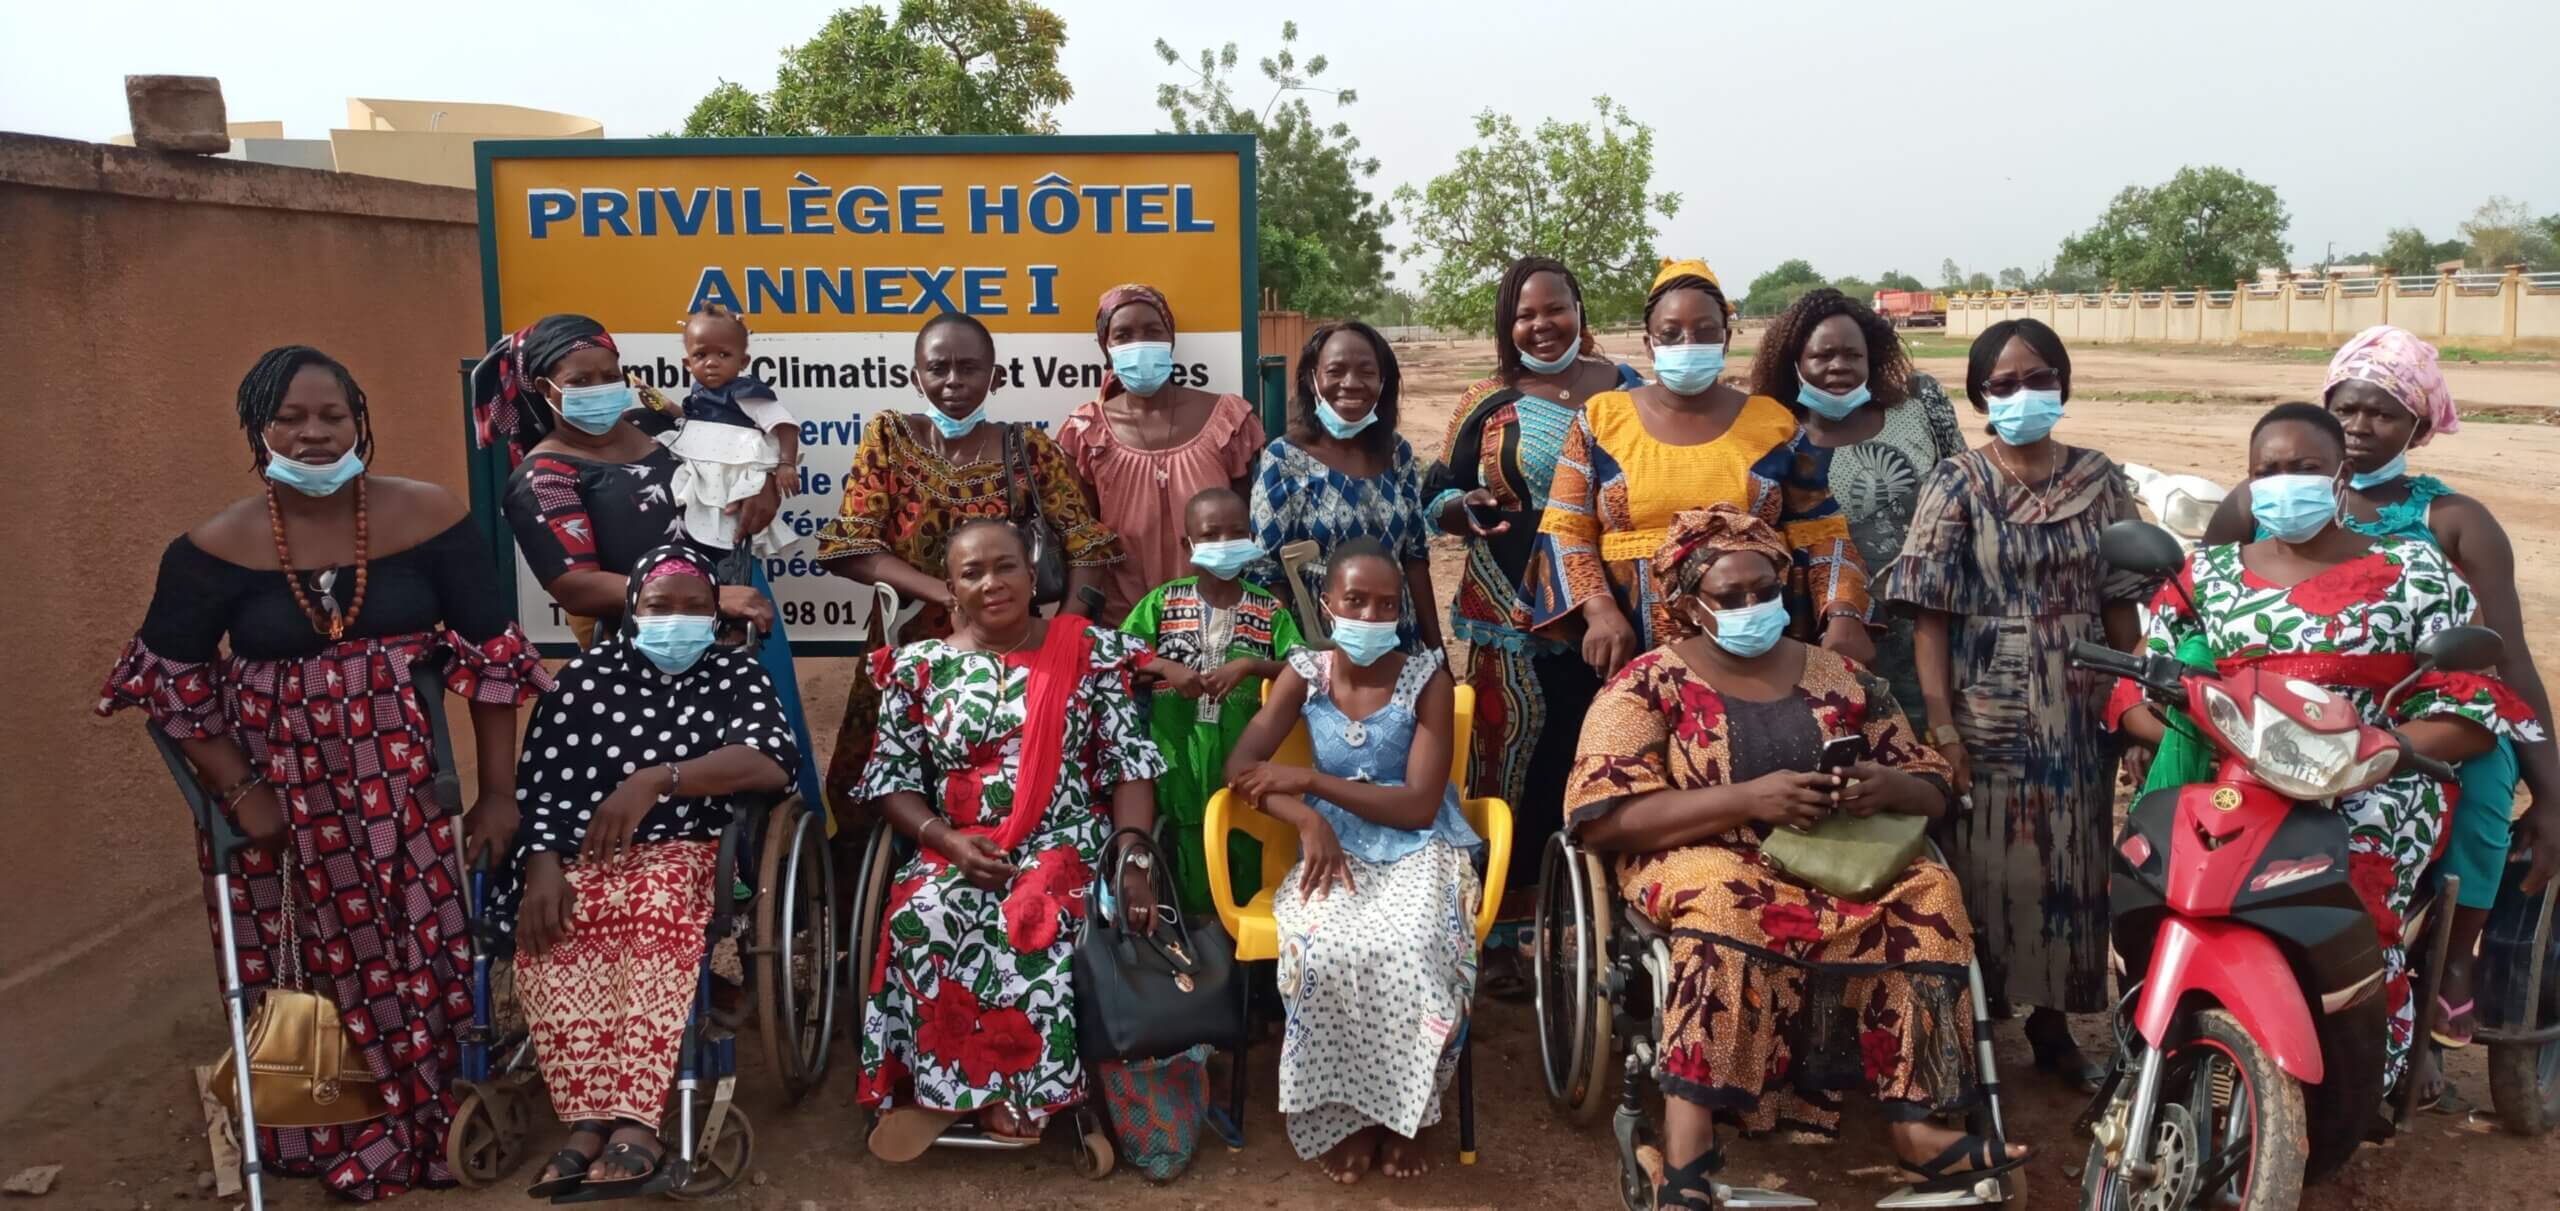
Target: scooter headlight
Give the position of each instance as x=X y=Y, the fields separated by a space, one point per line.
x=2227 y=718
x=2303 y=763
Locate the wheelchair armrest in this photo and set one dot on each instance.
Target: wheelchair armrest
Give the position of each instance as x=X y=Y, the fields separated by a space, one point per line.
x=724 y=872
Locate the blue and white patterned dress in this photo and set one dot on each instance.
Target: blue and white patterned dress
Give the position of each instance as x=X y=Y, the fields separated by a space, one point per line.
x=1296 y=496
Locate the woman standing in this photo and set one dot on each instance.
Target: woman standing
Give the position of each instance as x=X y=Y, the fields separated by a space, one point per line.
x=1149 y=445
x=311 y=733
x=2002 y=565
x=1342 y=472
x=614 y=861
x=1636 y=458
x=1009 y=753
x=2388 y=393
x=1873 y=430
x=1490 y=487
x=915 y=479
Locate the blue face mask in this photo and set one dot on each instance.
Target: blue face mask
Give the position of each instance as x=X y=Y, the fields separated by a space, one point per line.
x=673 y=642
x=314 y=479
x=2397 y=467
x=1144 y=367
x=1364 y=642
x=2294 y=507
x=1753 y=629
x=951 y=427
x=595 y=410
x=1688 y=369
x=1829 y=406
x=1342 y=430
x=1572 y=354
x=1226 y=558
x=2025 y=417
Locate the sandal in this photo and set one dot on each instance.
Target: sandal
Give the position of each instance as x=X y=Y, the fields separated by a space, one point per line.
x=1689 y=1187
x=905 y=1133
x=636 y=1166
x=567 y=1168
x=1022 y=1135
x=2458 y=1024
x=1982 y=1160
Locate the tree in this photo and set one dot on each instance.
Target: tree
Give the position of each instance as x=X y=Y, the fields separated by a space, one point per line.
x=1895 y=279
x=1950 y=275
x=1857 y=288
x=2202 y=227
x=1579 y=192
x=2407 y=250
x=2013 y=278
x=942 y=67
x=2503 y=232
x=1772 y=291
x=1322 y=235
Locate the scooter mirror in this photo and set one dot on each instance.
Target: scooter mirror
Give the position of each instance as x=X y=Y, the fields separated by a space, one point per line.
x=2139 y=546
x=2462 y=649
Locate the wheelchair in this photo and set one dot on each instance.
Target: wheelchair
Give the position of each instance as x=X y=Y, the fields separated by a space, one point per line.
x=1602 y=975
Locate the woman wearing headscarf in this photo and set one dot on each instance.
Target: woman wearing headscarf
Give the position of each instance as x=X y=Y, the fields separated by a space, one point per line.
x=1489 y=488
x=2386 y=389
x=1149 y=443
x=1634 y=459
x=631 y=769
x=593 y=489
x=328 y=587
x=2001 y=568
x=1783 y=996
x=1009 y=752
x=916 y=478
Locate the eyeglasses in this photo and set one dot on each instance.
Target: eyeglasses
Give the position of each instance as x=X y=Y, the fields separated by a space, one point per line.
x=2046 y=379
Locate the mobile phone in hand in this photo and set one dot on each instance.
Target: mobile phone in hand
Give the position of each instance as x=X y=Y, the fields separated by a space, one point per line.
x=1483 y=517
x=1841 y=752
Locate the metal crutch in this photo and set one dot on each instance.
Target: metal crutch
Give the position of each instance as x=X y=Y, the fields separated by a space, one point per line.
x=225 y=842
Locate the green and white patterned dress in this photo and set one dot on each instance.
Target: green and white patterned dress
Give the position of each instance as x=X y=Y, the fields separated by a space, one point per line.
x=970 y=1003
x=2353 y=628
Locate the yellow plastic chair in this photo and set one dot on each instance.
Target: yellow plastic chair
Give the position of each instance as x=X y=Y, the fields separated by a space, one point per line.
x=1257 y=935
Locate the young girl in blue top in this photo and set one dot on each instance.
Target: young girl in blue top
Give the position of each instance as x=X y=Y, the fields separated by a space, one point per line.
x=1377 y=920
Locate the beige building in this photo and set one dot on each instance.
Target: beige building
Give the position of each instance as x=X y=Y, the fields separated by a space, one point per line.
x=424 y=141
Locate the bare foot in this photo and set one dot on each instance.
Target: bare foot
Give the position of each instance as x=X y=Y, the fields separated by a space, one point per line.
x=1347 y=1161
x=1402 y=1157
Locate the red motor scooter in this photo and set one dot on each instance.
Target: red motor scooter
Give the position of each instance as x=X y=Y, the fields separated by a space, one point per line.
x=2252 y=1028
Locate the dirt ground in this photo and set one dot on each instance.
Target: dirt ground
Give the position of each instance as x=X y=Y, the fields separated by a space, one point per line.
x=129 y=1137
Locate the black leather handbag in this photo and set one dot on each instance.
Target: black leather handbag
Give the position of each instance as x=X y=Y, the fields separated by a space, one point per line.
x=1147 y=996
x=1048 y=548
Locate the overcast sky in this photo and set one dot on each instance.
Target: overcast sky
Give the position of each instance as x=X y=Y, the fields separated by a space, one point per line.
x=1860 y=136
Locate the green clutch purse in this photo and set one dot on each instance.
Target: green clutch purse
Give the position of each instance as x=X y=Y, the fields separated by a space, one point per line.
x=1852 y=858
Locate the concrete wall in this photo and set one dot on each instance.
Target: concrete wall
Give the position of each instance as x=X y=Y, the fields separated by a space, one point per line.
x=151 y=283
x=2510 y=310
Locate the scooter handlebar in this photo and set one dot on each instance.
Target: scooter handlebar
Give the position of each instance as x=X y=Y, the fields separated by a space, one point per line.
x=2414 y=762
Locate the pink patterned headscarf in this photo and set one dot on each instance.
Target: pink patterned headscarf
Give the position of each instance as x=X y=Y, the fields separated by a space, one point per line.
x=674 y=567
x=2398 y=362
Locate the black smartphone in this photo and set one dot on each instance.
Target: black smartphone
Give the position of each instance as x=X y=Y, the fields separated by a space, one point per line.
x=1842 y=752
x=1484 y=517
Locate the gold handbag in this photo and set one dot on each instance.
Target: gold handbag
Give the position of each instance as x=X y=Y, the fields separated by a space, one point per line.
x=303 y=1069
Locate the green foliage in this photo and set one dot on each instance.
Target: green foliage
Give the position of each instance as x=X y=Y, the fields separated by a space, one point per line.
x=1323 y=236
x=1895 y=279
x=1576 y=191
x=1950 y=275
x=2203 y=227
x=2407 y=250
x=2503 y=232
x=1772 y=291
x=1857 y=288
x=2012 y=278
x=943 y=67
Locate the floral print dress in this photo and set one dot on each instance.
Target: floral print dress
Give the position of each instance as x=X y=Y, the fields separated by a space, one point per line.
x=970 y=1003
x=1782 y=995
x=2353 y=628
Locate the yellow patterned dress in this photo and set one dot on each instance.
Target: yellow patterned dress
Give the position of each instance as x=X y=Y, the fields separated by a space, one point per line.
x=1617 y=488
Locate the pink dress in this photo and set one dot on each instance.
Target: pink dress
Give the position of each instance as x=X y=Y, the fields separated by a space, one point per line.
x=1143 y=492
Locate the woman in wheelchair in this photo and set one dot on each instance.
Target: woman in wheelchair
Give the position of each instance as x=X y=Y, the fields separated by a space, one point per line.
x=1782 y=996
x=627 y=778
x=1009 y=752
x=1377 y=921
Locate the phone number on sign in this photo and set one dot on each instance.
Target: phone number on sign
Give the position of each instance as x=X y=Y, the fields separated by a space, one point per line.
x=823 y=613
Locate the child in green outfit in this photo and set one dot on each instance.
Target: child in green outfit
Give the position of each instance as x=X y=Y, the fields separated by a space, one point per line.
x=1222 y=638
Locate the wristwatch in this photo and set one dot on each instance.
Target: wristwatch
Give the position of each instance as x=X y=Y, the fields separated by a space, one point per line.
x=1142 y=861
x=1943 y=735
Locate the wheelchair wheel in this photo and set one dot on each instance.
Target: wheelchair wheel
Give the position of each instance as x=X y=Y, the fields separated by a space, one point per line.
x=725 y=1162
x=486 y=1140
x=796 y=948
x=1094 y=1156
x=1569 y=960
x=869 y=909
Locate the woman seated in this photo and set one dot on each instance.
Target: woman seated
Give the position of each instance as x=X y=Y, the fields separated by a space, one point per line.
x=1377 y=919
x=2344 y=609
x=629 y=773
x=1009 y=753
x=1782 y=996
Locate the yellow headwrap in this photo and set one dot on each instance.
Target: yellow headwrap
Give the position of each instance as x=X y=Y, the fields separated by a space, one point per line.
x=1690 y=267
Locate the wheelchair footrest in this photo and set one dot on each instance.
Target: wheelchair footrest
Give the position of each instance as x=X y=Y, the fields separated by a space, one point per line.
x=1755 y=1196
x=1985 y=1192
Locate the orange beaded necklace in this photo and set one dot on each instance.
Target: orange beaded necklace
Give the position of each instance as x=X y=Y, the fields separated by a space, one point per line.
x=332 y=624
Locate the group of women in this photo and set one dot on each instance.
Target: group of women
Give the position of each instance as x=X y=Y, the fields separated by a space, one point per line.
x=1677 y=592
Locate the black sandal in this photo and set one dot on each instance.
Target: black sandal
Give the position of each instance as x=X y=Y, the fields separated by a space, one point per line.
x=1985 y=1161
x=567 y=1168
x=639 y=1167
x=1689 y=1187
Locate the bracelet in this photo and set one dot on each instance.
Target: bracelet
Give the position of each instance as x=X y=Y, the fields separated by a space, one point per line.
x=929 y=822
x=233 y=794
x=675 y=782
x=1944 y=734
